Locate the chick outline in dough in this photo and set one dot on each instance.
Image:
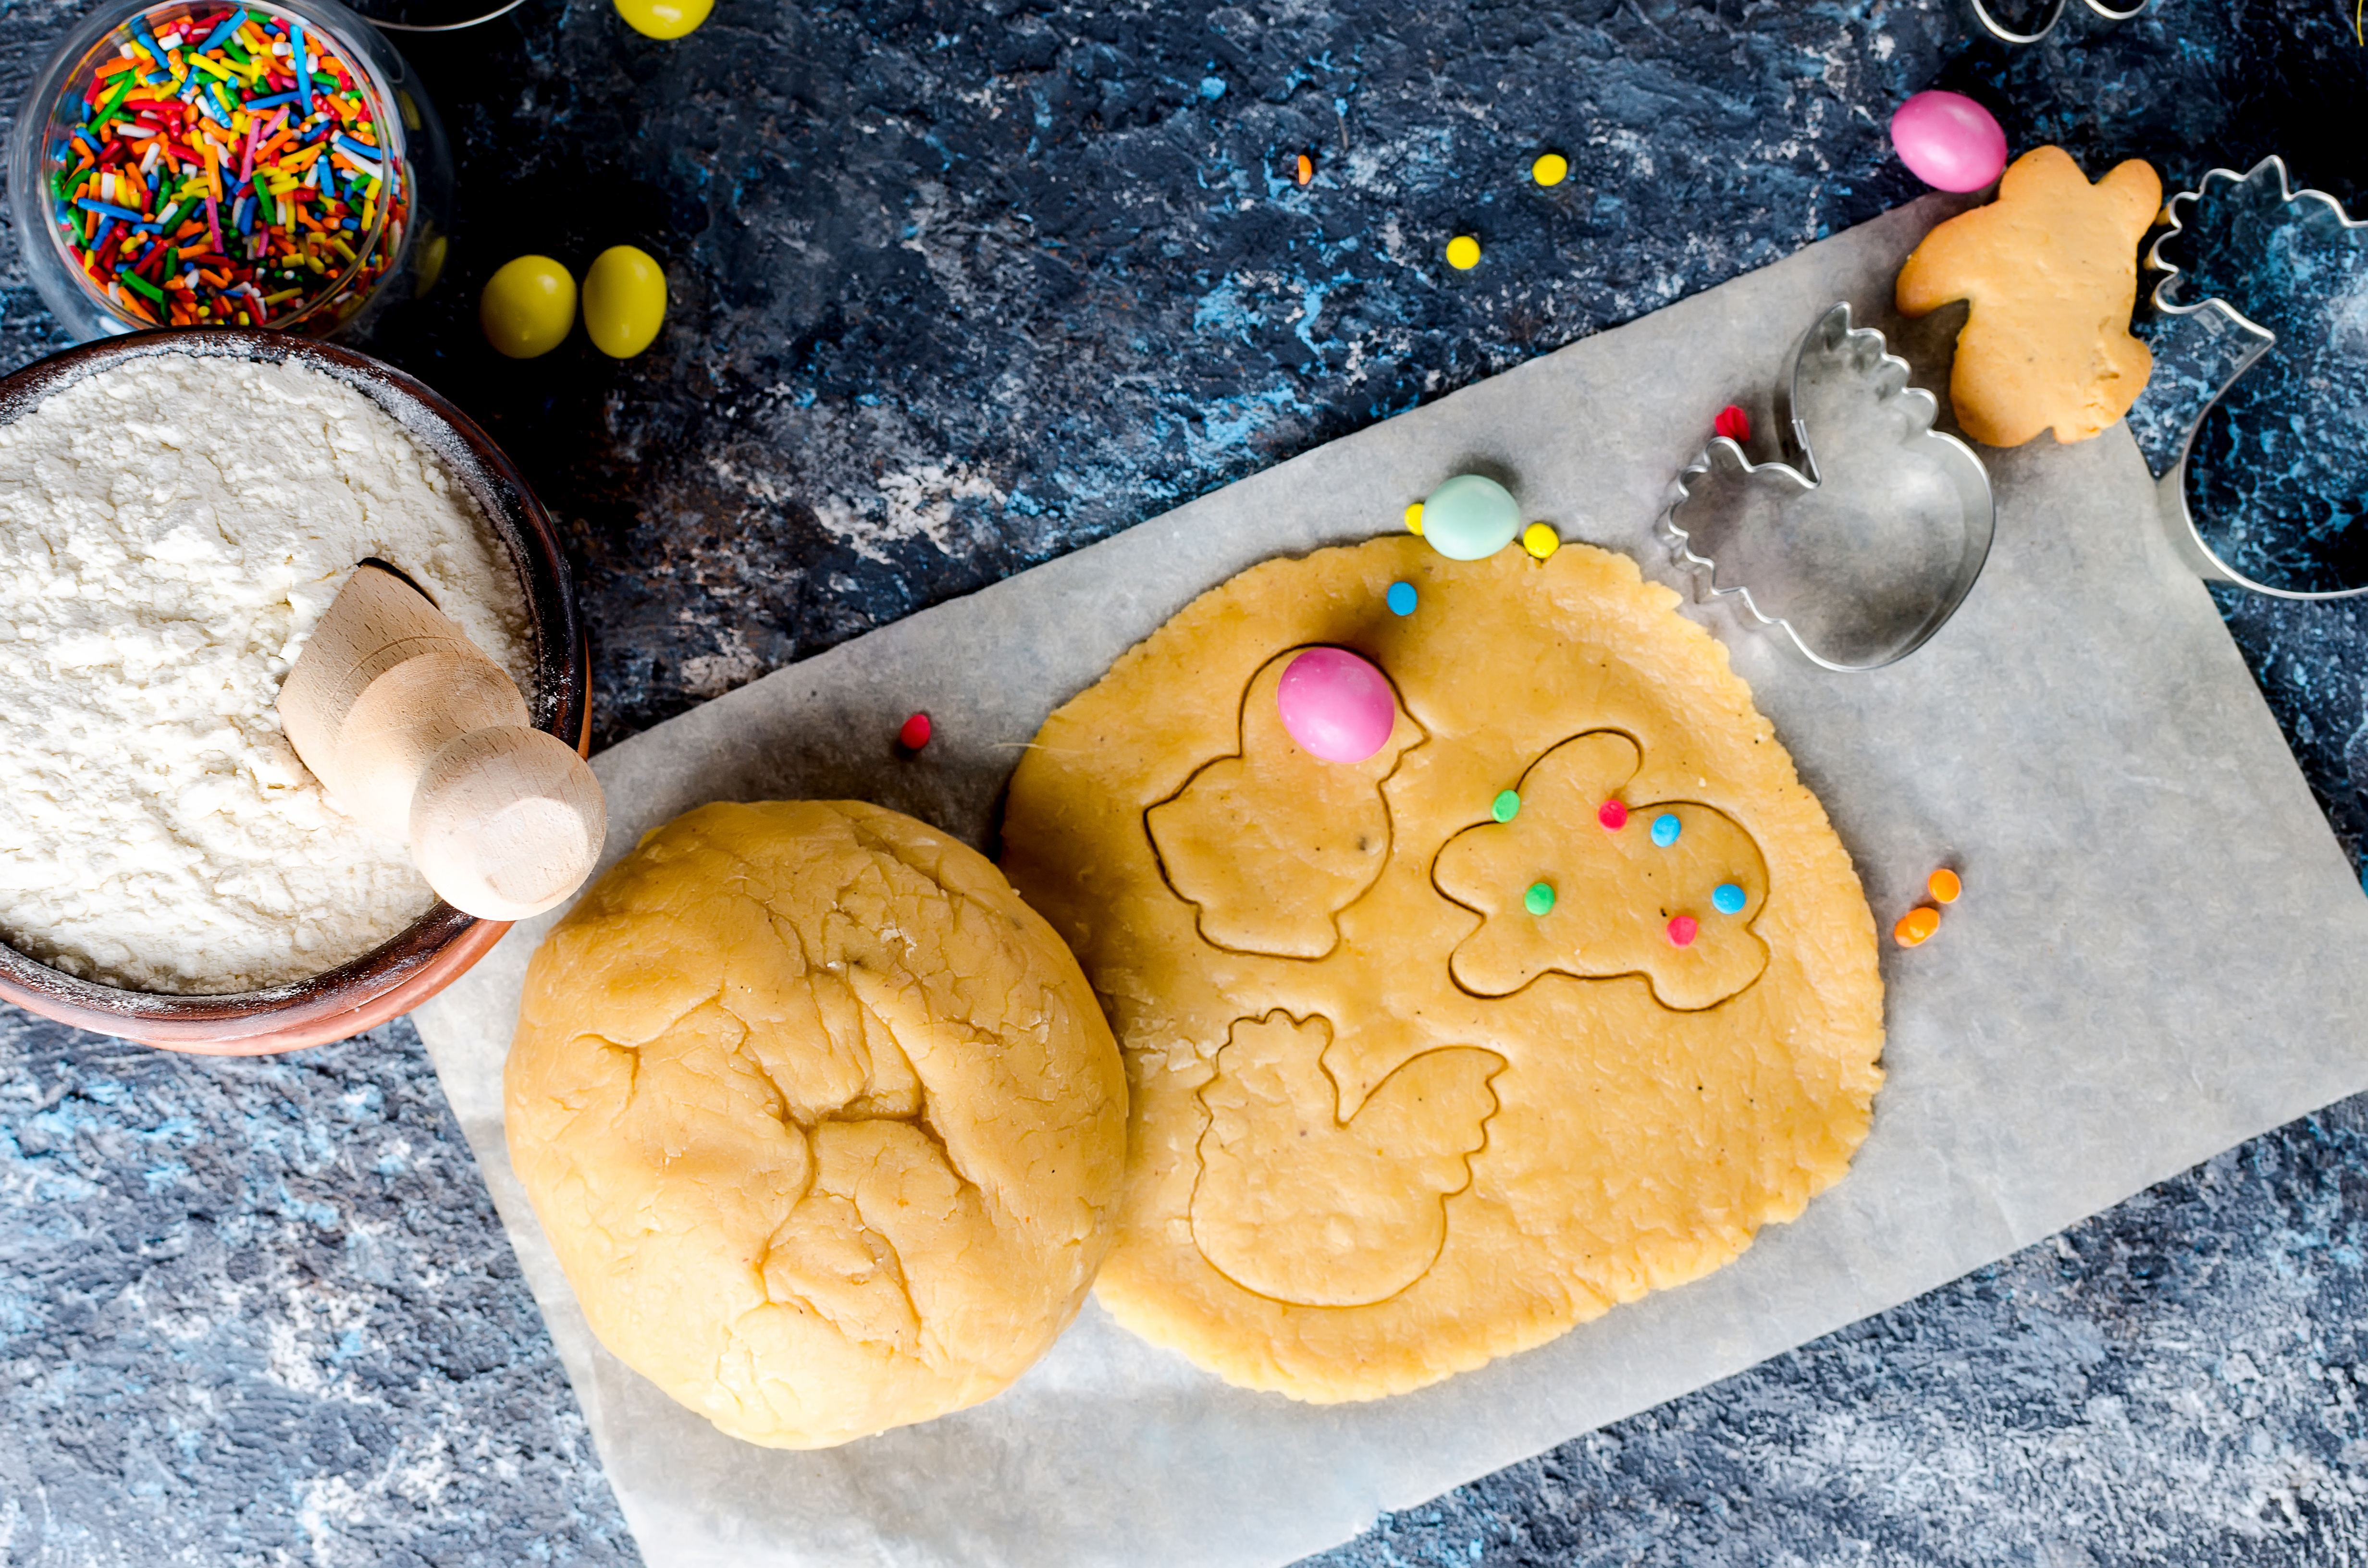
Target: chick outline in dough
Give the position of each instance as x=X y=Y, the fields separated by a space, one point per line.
x=1270 y=844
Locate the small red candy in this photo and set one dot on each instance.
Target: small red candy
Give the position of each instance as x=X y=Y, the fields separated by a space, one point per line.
x=1682 y=930
x=915 y=734
x=1733 y=424
x=1612 y=814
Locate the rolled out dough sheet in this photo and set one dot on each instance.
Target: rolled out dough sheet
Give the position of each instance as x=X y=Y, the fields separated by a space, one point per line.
x=2161 y=951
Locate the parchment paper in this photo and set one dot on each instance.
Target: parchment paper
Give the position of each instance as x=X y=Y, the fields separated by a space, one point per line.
x=2161 y=951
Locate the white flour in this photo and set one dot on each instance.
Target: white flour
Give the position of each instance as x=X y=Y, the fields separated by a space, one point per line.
x=170 y=533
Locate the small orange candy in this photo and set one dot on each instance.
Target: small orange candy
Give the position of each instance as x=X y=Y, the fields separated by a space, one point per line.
x=1306 y=168
x=1945 y=885
x=1916 y=926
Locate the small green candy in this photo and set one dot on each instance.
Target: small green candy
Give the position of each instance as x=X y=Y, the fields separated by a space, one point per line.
x=1539 y=900
x=1470 y=517
x=1505 y=805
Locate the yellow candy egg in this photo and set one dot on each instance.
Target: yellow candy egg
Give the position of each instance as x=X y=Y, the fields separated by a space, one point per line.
x=527 y=307
x=431 y=263
x=664 y=19
x=624 y=301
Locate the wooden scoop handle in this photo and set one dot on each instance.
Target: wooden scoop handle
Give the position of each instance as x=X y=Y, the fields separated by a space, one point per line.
x=507 y=821
x=415 y=732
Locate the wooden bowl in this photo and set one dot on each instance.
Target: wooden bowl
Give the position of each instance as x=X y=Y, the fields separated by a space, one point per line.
x=438 y=946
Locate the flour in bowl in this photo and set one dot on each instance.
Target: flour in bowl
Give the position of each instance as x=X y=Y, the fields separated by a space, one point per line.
x=171 y=532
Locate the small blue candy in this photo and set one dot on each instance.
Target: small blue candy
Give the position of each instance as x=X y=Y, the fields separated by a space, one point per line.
x=1727 y=898
x=1401 y=596
x=1665 y=828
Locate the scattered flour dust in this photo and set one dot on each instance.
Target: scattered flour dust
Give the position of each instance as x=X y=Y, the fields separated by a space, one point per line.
x=171 y=530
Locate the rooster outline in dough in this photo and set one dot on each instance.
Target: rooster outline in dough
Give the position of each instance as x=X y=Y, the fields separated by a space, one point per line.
x=1305 y=1205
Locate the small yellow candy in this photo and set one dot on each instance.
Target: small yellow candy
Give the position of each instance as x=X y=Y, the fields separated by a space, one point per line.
x=1413 y=516
x=527 y=307
x=1945 y=886
x=624 y=301
x=429 y=266
x=1916 y=926
x=1552 y=168
x=664 y=19
x=1540 y=540
x=1464 y=252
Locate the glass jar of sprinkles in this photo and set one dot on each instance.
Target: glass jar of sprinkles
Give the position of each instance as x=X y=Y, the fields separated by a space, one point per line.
x=197 y=163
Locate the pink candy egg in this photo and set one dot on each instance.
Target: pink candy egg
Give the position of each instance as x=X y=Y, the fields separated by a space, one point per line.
x=1336 y=705
x=1949 y=142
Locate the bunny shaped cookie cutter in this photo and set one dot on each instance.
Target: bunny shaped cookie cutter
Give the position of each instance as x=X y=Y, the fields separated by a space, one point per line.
x=2004 y=34
x=2262 y=322
x=1863 y=541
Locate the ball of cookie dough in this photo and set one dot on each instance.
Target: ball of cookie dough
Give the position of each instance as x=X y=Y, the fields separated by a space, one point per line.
x=825 y=1124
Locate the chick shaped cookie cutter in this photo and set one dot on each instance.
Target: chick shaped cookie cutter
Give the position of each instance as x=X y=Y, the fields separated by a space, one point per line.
x=1863 y=541
x=2260 y=333
x=2004 y=34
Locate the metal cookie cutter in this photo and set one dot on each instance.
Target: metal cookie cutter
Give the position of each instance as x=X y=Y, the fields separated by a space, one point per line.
x=2251 y=420
x=2055 y=15
x=1863 y=543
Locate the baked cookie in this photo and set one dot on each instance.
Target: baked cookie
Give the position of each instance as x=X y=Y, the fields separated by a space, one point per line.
x=822 y=1120
x=2051 y=271
x=1396 y=1111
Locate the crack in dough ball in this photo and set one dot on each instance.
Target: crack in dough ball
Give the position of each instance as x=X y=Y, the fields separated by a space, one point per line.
x=823 y=1122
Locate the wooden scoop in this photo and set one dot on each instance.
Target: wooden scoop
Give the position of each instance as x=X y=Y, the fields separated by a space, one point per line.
x=414 y=731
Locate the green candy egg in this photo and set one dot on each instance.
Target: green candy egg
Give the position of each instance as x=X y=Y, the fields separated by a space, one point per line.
x=1470 y=517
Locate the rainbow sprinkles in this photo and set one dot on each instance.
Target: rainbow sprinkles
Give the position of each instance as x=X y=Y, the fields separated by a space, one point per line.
x=227 y=167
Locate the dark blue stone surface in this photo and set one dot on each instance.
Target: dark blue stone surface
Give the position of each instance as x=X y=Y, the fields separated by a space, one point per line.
x=261 y=1312
x=2274 y=478
x=960 y=285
